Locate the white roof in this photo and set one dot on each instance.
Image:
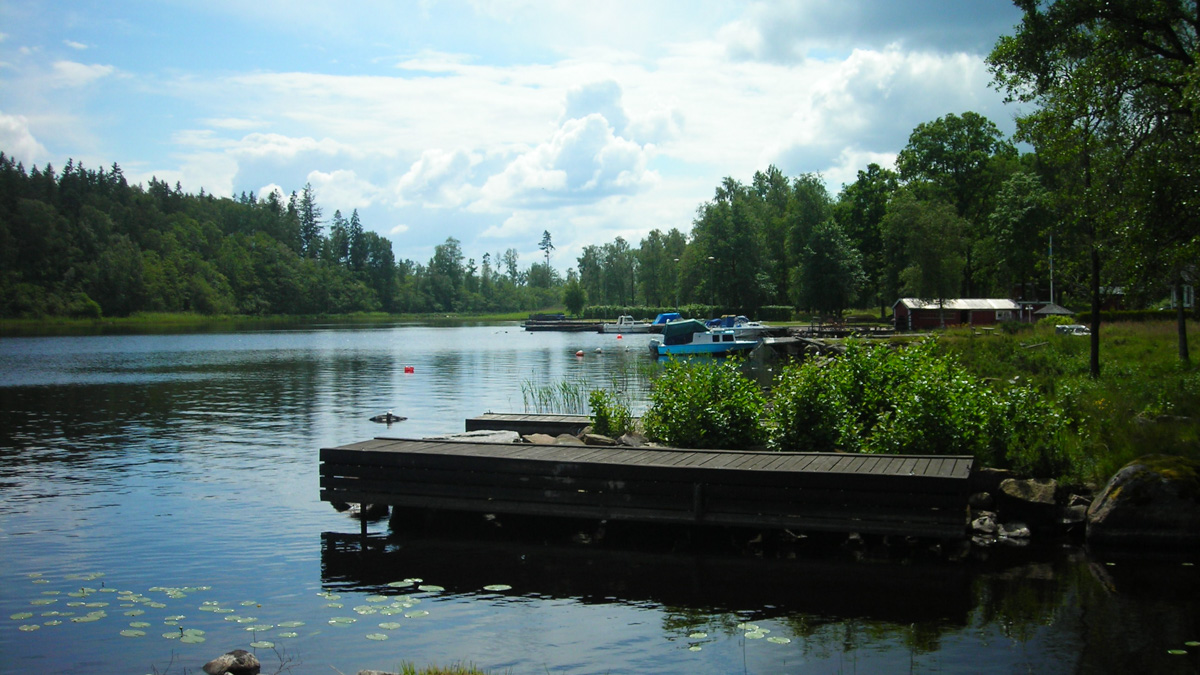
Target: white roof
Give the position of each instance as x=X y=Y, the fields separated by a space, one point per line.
x=985 y=304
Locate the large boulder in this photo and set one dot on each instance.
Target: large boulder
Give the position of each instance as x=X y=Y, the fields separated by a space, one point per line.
x=1153 y=500
x=1029 y=499
x=236 y=662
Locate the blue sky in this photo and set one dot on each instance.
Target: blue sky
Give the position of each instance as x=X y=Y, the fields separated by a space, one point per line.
x=494 y=120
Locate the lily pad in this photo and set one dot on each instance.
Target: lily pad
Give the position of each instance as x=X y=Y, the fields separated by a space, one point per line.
x=191 y=639
x=21 y=615
x=389 y=625
x=43 y=601
x=260 y=628
x=289 y=634
x=246 y=619
x=401 y=584
x=430 y=588
x=498 y=588
x=135 y=612
x=377 y=636
x=250 y=603
x=755 y=635
x=416 y=614
x=53 y=622
x=130 y=632
x=139 y=624
x=41 y=581
x=335 y=605
x=262 y=644
x=779 y=640
x=291 y=624
x=366 y=609
x=1192 y=643
x=748 y=626
x=697 y=636
x=694 y=648
x=377 y=598
x=1177 y=652
x=174 y=635
x=28 y=628
x=342 y=621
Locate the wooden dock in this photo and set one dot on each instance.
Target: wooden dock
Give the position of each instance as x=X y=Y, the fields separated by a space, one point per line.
x=923 y=496
x=529 y=424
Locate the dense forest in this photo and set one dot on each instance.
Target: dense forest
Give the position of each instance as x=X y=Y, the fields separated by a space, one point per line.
x=1106 y=198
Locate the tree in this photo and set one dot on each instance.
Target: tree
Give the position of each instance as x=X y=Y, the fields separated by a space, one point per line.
x=574 y=297
x=859 y=210
x=830 y=270
x=546 y=246
x=962 y=158
x=925 y=247
x=309 y=214
x=1114 y=82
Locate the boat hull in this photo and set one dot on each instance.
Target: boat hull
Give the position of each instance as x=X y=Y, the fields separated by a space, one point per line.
x=710 y=348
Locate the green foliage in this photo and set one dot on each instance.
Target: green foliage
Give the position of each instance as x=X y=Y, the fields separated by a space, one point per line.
x=563 y=398
x=876 y=399
x=610 y=416
x=702 y=403
x=1056 y=320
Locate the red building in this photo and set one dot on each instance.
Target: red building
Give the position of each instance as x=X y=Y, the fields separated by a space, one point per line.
x=917 y=314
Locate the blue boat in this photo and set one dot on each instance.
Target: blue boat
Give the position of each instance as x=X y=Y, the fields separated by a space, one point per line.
x=693 y=337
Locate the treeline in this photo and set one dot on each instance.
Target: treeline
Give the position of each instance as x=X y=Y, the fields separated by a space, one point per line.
x=86 y=243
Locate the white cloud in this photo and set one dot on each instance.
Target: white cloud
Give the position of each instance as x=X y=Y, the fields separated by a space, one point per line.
x=259 y=145
x=583 y=161
x=438 y=178
x=265 y=191
x=17 y=141
x=399 y=229
x=73 y=74
x=211 y=171
x=343 y=188
x=75 y=45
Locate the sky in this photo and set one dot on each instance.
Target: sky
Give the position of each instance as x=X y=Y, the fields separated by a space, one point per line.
x=490 y=121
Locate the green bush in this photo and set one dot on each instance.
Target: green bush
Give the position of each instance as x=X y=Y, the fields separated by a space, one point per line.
x=610 y=416
x=701 y=403
x=875 y=399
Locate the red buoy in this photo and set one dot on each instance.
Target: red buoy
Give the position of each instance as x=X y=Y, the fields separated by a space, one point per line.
x=409 y=370
x=579 y=353
x=618 y=336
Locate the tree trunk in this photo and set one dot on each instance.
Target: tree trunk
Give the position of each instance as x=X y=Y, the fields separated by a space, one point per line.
x=1181 y=323
x=1094 y=361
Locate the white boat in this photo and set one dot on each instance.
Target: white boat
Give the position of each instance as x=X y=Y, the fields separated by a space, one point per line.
x=693 y=337
x=625 y=324
x=740 y=325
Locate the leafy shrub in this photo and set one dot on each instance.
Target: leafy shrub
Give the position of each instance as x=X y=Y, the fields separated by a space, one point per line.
x=610 y=416
x=705 y=404
x=878 y=400
x=1056 y=320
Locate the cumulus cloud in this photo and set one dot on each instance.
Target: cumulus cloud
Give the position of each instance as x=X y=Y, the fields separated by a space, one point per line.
x=232 y=123
x=17 y=141
x=343 y=188
x=73 y=74
x=438 y=178
x=399 y=229
x=75 y=45
x=583 y=161
x=603 y=98
x=265 y=191
x=790 y=31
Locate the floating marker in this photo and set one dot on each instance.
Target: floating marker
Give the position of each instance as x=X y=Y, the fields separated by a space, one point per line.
x=579 y=353
x=409 y=370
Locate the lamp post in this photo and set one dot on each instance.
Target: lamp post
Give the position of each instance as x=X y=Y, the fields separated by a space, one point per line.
x=676 y=284
x=712 y=290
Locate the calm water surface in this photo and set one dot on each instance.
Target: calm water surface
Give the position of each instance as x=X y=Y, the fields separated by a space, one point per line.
x=168 y=483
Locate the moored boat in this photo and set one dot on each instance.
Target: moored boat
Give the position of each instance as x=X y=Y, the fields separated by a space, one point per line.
x=741 y=326
x=625 y=324
x=693 y=337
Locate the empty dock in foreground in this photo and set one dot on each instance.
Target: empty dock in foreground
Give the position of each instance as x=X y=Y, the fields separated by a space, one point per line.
x=923 y=496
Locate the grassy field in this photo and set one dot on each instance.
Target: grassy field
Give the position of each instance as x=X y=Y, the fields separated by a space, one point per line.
x=1145 y=401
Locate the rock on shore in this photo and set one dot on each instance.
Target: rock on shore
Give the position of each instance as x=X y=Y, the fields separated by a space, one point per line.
x=1153 y=500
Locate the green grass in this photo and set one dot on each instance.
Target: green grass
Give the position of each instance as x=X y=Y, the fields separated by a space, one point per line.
x=1145 y=400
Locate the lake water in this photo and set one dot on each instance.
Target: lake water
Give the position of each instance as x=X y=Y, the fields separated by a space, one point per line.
x=166 y=485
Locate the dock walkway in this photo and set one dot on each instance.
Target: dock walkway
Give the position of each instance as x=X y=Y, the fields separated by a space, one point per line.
x=872 y=494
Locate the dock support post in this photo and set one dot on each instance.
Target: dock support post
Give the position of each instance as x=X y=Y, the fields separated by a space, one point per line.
x=697 y=500
x=362 y=512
